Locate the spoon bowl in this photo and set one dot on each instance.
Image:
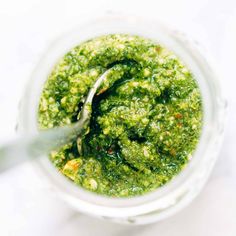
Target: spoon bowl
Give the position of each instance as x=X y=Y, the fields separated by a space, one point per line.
x=25 y=148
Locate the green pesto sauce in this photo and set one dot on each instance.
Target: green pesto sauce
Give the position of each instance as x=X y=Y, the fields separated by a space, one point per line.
x=146 y=118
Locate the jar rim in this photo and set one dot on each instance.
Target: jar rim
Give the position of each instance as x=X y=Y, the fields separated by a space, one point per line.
x=213 y=109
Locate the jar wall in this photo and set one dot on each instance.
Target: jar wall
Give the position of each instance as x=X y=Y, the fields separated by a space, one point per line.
x=181 y=191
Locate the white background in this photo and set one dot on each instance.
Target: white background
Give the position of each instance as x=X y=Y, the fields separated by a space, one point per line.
x=27 y=205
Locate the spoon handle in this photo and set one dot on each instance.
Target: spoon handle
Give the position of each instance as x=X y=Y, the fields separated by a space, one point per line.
x=28 y=147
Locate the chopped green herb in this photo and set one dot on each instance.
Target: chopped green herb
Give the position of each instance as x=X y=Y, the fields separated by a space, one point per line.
x=146 y=117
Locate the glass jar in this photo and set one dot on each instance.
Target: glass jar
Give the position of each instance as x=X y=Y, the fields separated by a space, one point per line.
x=179 y=192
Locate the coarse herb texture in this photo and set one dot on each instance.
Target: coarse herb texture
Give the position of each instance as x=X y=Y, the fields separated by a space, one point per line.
x=146 y=118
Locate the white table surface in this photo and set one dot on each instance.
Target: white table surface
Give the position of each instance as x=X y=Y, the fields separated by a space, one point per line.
x=27 y=206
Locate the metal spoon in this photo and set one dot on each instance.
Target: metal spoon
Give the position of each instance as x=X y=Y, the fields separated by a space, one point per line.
x=26 y=147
